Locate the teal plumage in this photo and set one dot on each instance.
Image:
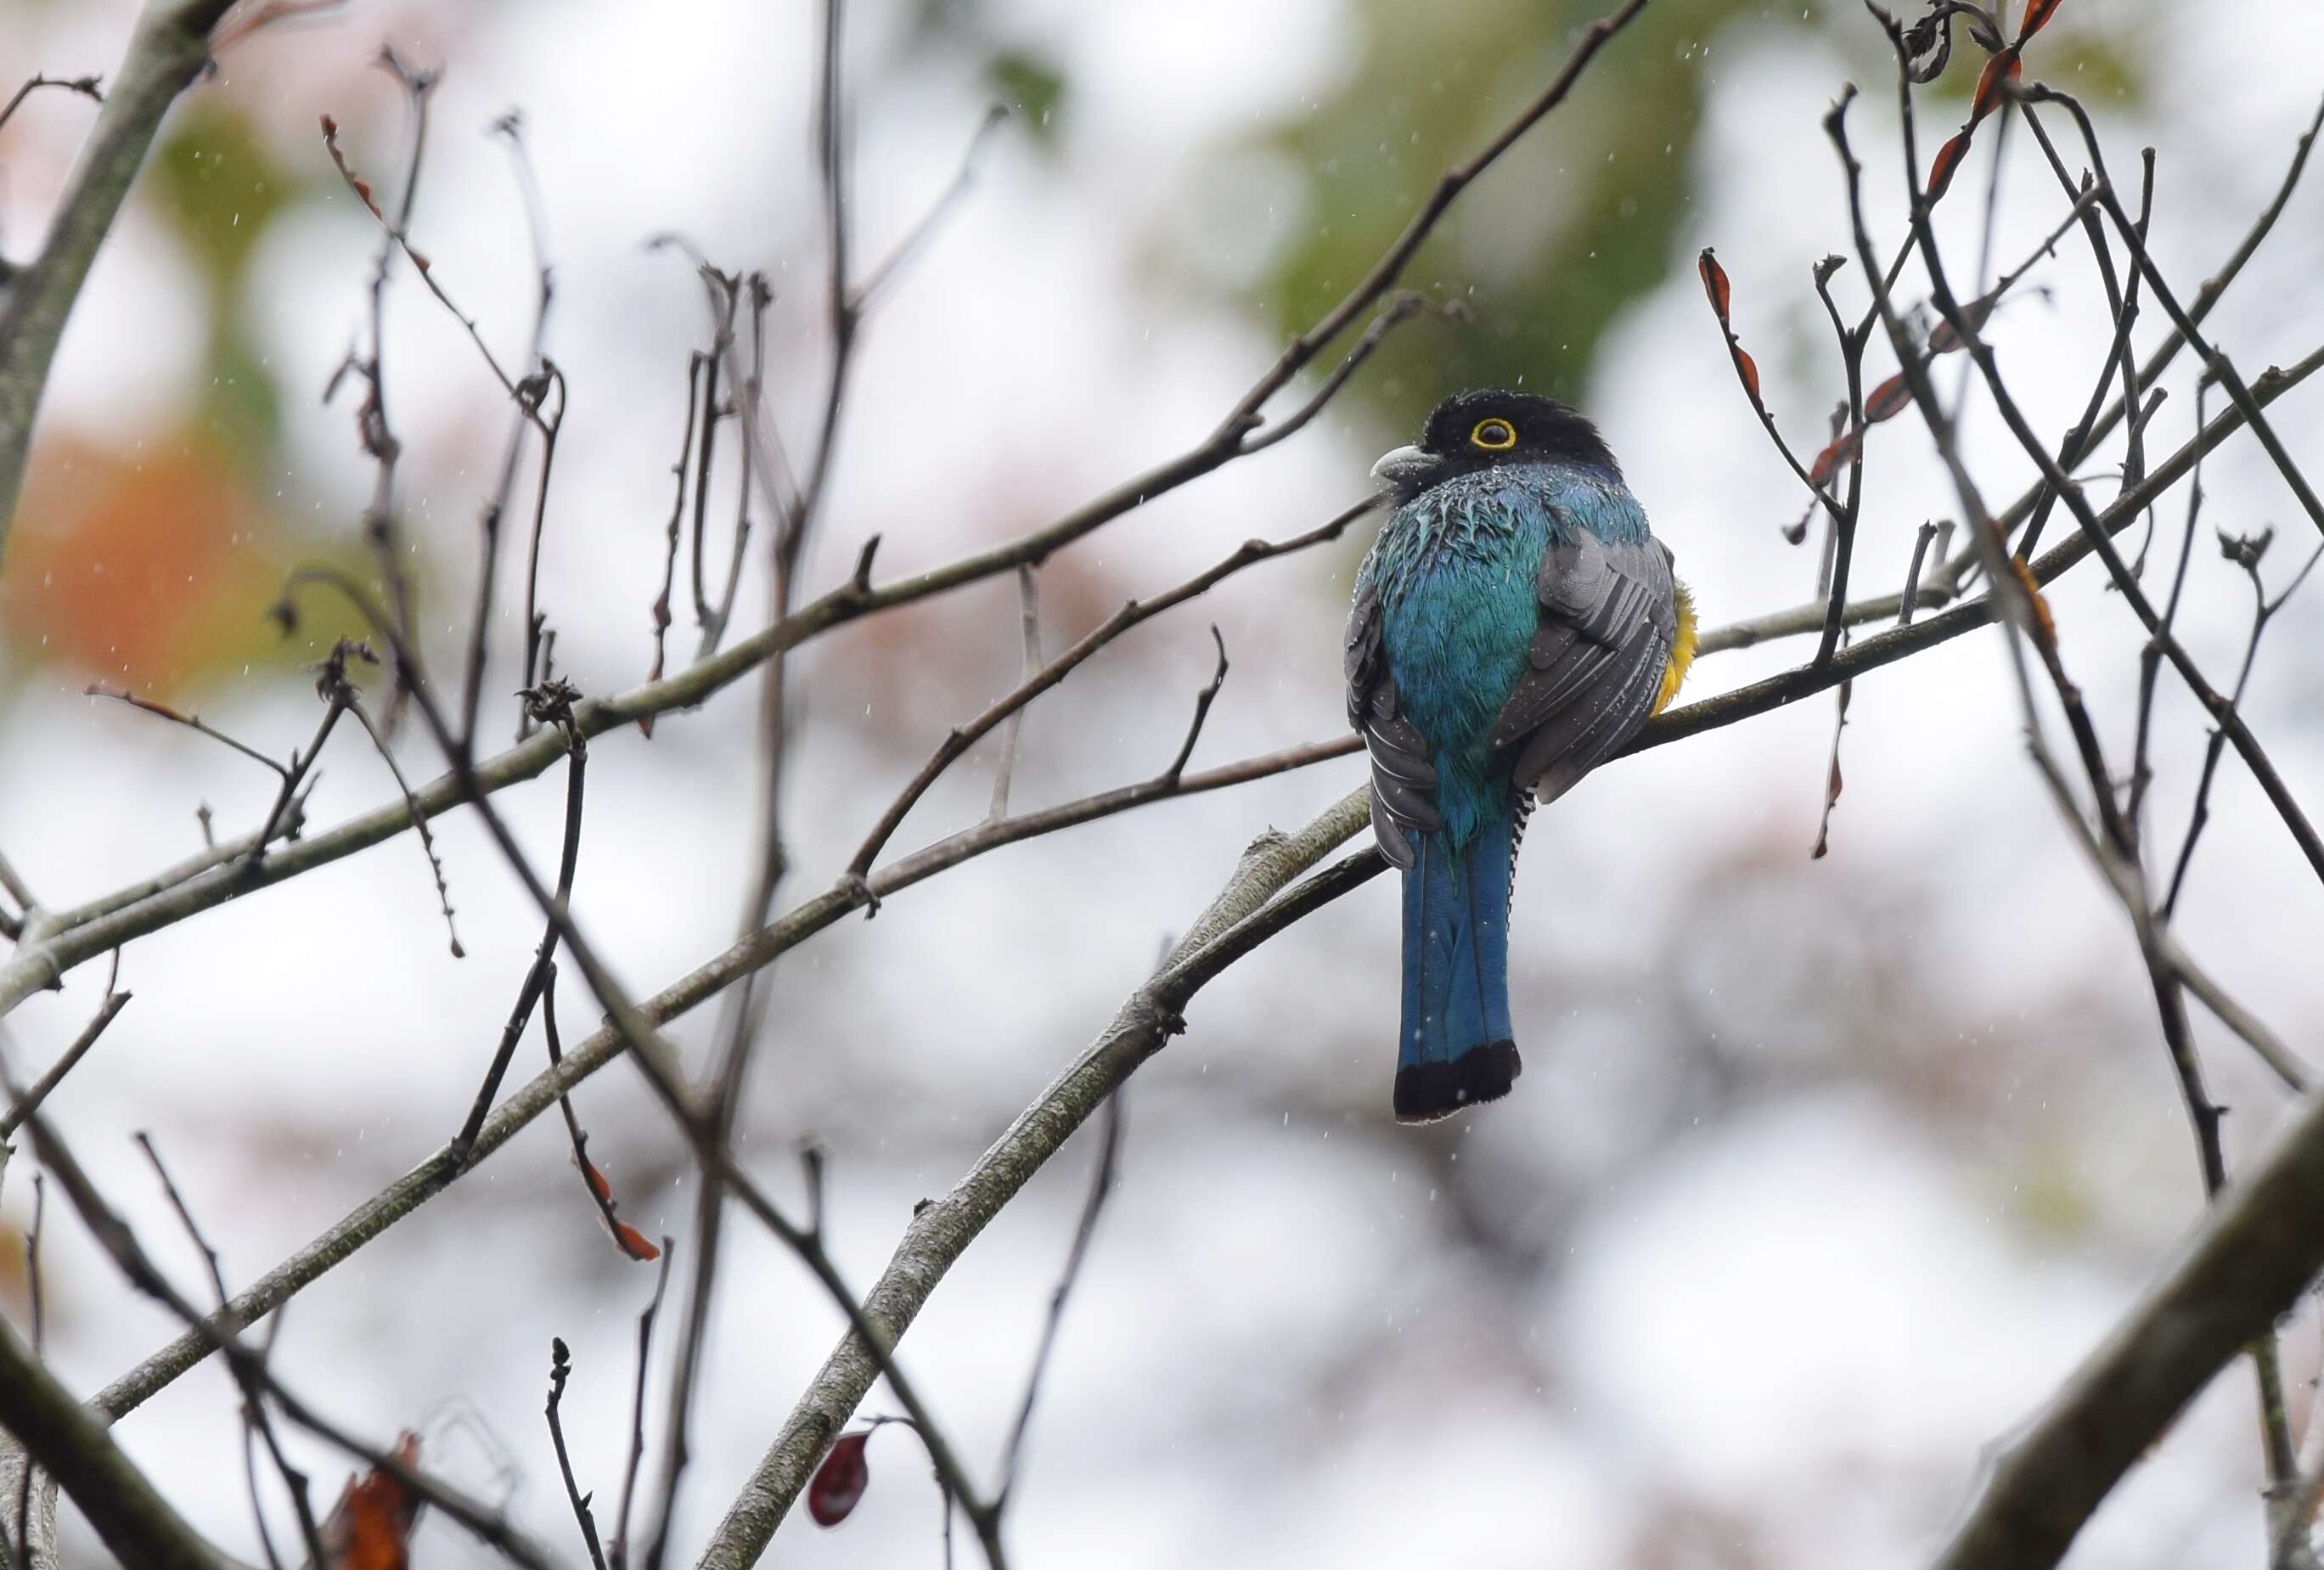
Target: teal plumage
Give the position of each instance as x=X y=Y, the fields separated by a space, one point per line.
x=1455 y=569
x=1512 y=626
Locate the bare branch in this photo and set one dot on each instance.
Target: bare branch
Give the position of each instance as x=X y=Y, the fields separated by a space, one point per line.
x=881 y=276
x=86 y=87
x=397 y=231
x=1202 y=701
x=418 y=819
x=24 y=1105
x=191 y=721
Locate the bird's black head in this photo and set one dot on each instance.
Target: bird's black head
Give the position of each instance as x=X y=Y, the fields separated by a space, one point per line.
x=1479 y=431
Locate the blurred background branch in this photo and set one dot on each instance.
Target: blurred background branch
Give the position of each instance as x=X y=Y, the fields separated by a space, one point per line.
x=168 y=50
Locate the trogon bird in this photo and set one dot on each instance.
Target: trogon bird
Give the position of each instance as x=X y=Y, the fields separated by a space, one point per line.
x=1515 y=624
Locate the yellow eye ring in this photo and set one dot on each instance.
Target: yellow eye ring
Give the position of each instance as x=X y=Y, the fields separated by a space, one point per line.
x=1494 y=435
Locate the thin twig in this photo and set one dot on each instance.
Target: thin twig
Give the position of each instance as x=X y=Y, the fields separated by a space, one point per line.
x=191 y=721
x=1402 y=306
x=881 y=276
x=696 y=366
x=418 y=821
x=398 y=231
x=302 y=765
x=2264 y=610
x=1102 y=1175
x=374 y=431
x=86 y=87
x=30 y=1102
x=1131 y=615
x=638 y=1410
x=1202 y=701
x=555 y=707
x=560 y=1367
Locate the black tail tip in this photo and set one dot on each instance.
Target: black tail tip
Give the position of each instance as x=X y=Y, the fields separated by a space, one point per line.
x=1426 y=1092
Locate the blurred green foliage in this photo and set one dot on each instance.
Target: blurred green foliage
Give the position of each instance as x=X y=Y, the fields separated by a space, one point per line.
x=214 y=182
x=1576 y=221
x=1032 y=90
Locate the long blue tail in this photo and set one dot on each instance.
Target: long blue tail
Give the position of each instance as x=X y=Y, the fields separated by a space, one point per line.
x=1457 y=1048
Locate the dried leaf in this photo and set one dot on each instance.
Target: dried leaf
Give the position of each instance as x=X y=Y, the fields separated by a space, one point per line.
x=370 y=1529
x=1835 y=453
x=840 y=1482
x=2002 y=67
x=1714 y=282
x=1715 y=285
x=634 y=1241
x=2037 y=16
x=1947 y=160
x=627 y=1238
x=1888 y=400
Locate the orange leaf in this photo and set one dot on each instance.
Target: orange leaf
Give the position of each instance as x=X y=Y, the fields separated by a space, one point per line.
x=1948 y=159
x=1714 y=282
x=634 y=1241
x=1833 y=454
x=1888 y=400
x=2001 y=68
x=599 y=1185
x=370 y=1529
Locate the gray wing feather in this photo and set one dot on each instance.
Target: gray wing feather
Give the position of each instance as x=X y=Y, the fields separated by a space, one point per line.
x=1403 y=782
x=1607 y=622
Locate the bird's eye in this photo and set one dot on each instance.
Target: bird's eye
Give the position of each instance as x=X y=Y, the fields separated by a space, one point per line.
x=1494 y=435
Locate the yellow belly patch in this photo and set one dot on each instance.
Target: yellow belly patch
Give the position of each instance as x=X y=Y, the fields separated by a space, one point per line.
x=1681 y=647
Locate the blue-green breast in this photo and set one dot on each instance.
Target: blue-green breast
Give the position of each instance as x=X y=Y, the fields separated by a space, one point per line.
x=1455 y=568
